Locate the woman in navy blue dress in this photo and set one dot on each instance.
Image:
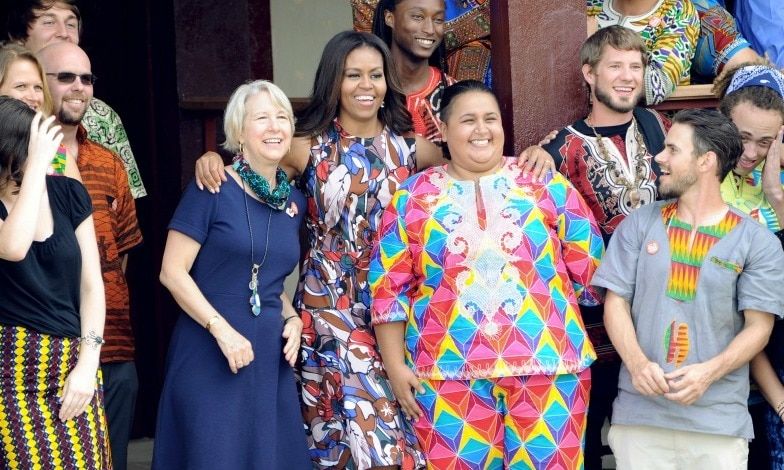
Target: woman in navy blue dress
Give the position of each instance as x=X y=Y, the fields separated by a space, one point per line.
x=229 y=398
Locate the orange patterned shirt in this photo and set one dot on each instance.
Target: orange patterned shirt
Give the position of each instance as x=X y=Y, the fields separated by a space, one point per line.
x=117 y=231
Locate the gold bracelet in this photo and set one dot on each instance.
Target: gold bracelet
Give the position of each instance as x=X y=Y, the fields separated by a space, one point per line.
x=211 y=321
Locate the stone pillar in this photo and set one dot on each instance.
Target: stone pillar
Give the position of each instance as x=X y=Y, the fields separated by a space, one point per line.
x=536 y=67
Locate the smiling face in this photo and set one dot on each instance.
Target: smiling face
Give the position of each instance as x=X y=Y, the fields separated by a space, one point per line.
x=70 y=100
x=417 y=27
x=362 y=88
x=474 y=134
x=617 y=79
x=758 y=128
x=23 y=82
x=58 y=23
x=677 y=162
x=266 y=130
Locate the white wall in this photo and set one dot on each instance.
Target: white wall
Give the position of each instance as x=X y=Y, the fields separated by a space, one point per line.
x=300 y=28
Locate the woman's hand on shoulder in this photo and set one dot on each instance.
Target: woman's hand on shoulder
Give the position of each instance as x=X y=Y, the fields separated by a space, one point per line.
x=78 y=391
x=537 y=161
x=45 y=138
x=210 y=172
x=235 y=347
x=292 y=331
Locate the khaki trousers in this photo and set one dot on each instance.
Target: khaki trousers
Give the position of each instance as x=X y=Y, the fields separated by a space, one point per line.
x=647 y=447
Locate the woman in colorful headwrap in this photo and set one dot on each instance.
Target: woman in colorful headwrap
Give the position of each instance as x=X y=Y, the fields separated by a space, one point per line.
x=52 y=309
x=670 y=29
x=752 y=95
x=475 y=280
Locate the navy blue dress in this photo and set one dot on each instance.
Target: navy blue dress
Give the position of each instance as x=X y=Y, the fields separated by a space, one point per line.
x=209 y=418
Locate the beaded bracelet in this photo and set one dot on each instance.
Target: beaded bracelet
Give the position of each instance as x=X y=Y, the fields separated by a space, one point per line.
x=780 y=408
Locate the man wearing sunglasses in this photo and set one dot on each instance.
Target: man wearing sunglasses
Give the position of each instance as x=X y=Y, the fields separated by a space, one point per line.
x=35 y=24
x=70 y=81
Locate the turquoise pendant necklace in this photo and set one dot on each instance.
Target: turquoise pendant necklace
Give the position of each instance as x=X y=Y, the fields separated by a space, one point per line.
x=253 y=285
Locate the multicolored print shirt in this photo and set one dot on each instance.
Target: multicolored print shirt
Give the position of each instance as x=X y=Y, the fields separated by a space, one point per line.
x=425 y=104
x=487 y=275
x=670 y=31
x=745 y=194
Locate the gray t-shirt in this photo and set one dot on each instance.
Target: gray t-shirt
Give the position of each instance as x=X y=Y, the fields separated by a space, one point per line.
x=743 y=270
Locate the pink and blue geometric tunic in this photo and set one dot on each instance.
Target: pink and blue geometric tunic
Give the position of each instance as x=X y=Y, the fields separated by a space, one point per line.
x=487 y=275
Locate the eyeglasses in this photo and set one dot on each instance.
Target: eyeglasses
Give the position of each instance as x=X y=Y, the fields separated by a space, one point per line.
x=69 y=77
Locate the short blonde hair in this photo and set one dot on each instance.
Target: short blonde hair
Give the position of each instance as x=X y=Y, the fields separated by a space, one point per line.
x=234 y=116
x=10 y=53
x=615 y=36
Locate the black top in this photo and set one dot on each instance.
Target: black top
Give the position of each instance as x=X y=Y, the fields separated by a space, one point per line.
x=41 y=292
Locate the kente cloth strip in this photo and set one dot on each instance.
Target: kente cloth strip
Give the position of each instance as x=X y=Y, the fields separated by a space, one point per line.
x=33 y=369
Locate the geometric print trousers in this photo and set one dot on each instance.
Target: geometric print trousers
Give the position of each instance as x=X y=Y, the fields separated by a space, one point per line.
x=523 y=422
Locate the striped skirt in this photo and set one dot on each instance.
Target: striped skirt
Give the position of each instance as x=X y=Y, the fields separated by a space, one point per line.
x=33 y=369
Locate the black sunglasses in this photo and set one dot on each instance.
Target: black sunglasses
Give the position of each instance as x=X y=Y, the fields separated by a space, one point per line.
x=69 y=77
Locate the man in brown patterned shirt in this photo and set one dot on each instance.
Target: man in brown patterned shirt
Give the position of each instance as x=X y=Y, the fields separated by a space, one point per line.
x=70 y=81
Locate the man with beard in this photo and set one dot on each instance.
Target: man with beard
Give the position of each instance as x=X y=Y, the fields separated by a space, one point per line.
x=70 y=81
x=693 y=286
x=35 y=24
x=608 y=157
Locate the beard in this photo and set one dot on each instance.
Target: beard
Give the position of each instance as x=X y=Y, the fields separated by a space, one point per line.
x=69 y=118
x=606 y=99
x=677 y=186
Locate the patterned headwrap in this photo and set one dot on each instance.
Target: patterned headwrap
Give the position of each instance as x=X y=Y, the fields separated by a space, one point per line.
x=757 y=75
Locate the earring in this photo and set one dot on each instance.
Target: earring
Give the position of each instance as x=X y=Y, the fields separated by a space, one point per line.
x=382 y=105
x=241 y=149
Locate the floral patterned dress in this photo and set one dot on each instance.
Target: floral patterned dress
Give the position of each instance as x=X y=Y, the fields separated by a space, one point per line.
x=347 y=402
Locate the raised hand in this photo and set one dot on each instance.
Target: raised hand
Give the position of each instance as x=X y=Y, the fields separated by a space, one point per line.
x=45 y=138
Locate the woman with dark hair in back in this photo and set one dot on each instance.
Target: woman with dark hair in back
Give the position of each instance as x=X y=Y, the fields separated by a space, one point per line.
x=52 y=309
